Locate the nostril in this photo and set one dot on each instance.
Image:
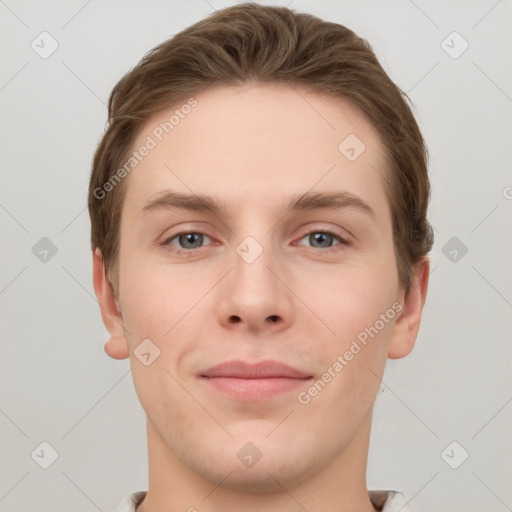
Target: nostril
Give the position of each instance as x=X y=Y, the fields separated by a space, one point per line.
x=235 y=319
x=274 y=318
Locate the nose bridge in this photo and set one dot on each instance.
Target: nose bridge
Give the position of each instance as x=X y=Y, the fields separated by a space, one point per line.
x=251 y=273
x=253 y=295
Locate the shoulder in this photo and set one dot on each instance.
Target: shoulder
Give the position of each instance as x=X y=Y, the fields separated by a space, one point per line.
x=130 y=502
x=389 y=501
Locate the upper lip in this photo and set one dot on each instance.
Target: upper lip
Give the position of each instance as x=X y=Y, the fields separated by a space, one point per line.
x=261 y=370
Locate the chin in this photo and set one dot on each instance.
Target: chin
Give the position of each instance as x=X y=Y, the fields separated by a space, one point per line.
x=254 y=483
x=277 y=468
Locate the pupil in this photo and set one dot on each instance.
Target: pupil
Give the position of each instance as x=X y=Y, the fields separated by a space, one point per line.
x=321 y=238
x=189 y=238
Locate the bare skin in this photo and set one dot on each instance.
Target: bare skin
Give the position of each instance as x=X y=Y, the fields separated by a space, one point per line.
x=302 y=301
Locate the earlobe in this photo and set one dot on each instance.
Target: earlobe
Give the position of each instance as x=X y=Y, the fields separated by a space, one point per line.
x=407 y=325
x=117 y=345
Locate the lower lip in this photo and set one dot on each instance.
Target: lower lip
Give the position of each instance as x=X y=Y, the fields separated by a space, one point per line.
x=254 y=389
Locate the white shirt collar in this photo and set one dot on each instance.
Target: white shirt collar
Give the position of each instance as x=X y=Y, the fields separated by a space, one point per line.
x=388 y=501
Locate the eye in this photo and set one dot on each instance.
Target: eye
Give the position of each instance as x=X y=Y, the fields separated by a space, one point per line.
x=324 y=239
x=187 y=240
x=319 y=239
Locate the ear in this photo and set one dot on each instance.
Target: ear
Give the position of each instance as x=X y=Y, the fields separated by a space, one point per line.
x=117 y=345
x=407 y=325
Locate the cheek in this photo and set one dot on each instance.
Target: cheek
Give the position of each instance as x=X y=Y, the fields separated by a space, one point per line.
x=359 y=307
x=350 y=299
x=164 y=400
x=349 y=370
x=153 y=299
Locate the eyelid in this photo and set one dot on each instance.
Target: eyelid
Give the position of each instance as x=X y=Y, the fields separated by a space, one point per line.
x=342 y=240
x=342 y=233
x=184 y=228
x=168 y=239
x=339 y=234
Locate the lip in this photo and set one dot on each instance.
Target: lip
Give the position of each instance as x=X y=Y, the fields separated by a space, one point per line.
x=253 y=382
x=262 y=370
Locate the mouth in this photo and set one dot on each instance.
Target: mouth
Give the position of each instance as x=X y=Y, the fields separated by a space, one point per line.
x=253 y=382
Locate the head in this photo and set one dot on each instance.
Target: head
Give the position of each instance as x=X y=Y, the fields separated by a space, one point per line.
x=261 y=116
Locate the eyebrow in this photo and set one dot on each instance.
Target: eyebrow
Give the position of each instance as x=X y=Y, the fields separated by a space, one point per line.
x=336 y=200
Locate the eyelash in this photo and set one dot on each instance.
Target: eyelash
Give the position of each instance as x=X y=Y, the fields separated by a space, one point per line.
x=342 y=241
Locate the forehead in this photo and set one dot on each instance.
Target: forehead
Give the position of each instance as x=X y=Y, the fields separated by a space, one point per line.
x=258 y=140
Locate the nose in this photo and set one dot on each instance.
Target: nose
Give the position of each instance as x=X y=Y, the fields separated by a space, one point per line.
x=254 y=296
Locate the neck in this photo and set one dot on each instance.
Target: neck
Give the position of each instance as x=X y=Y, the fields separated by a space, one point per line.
x=340 y=486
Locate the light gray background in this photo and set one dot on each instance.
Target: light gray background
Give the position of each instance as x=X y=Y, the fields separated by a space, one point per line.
x=57 y=384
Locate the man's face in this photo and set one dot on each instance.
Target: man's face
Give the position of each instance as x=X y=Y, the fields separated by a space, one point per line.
x=258 y=282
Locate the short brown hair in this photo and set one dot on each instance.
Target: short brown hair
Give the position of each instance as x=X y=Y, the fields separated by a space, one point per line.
x=266 y=44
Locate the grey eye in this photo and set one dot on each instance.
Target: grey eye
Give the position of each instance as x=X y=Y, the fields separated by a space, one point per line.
x=190 y=240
